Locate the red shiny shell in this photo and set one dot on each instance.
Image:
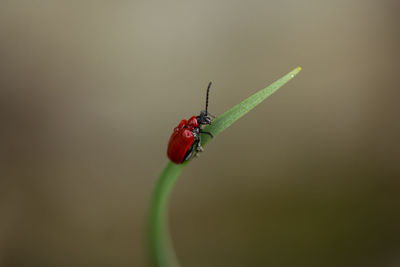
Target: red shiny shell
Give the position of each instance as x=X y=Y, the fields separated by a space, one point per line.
x=181 y=140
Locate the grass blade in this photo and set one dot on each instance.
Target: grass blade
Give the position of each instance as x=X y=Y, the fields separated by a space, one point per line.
x=161 y=250
x=226 y=119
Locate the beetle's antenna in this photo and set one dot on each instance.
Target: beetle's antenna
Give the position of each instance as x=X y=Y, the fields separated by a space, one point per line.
x=208 y=91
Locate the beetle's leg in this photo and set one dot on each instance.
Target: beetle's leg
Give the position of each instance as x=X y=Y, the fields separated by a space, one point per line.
x=211 y=115
x=199 y=148
x=208 y=133
x=188 y=154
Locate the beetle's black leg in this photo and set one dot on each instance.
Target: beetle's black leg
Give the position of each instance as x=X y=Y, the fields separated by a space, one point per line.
x=211 y=115
x=208 y=133
x=188 y=154
x=198 y=146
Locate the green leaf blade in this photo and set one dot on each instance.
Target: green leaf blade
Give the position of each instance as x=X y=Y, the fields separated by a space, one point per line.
x=229 y=117
x=161 y=250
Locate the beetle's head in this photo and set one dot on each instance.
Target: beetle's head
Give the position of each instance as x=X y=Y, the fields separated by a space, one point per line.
x=204 y=117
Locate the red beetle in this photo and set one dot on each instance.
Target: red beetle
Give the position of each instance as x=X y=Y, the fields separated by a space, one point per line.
x=185 y=141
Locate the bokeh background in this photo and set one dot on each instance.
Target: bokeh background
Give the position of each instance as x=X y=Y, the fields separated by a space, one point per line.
x=91 y=90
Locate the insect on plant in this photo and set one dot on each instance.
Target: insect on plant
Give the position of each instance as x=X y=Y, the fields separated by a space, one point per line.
x=184 y=143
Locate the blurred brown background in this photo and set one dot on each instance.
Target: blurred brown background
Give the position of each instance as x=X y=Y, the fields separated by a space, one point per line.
x=91 y=90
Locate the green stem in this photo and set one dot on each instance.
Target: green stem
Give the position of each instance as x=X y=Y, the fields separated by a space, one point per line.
x=162 y=253
x=161 y=249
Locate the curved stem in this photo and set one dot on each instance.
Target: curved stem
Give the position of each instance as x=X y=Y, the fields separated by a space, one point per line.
x=161 y=249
